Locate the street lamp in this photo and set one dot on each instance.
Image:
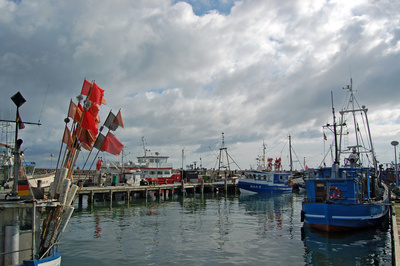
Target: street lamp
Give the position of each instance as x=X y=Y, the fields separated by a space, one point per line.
x=394 y=144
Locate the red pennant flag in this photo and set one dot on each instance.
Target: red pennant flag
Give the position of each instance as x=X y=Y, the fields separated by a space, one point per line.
x=86 y=87
x=94 y=110
x=97 y=95
x=87 y=139
x=112 y=145
x=118 y=120
x=88 y=122
x=67 y=139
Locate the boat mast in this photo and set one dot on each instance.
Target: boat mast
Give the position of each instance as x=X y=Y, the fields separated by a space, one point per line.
x=334 y=132
x=263 y=158
x=144 y=147
x=352 y=110
x=220 y=161
x=290 y=153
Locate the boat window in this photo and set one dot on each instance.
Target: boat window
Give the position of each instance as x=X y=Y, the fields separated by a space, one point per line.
x=152 y=172
x=320 y=191
x=167 y=172
x=156 y=160
x=151 y=160
x=159 y=173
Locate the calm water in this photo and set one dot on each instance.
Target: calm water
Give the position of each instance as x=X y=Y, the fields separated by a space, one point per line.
x=251 y=230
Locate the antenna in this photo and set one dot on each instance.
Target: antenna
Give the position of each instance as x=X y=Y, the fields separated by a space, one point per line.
x=44 y=101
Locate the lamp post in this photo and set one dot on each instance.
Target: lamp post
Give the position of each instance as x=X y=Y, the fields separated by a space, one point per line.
x=394 y=144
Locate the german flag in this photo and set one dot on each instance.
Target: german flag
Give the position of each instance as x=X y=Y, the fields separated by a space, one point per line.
x=23 y=188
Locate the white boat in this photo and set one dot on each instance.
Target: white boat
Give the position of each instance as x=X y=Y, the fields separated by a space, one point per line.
x=152 y=168
x=7 y=172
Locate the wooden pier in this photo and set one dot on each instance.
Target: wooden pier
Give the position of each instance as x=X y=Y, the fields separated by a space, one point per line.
x=126 y=193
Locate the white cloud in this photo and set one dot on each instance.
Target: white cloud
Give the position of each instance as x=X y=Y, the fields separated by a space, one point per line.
x=252 y=69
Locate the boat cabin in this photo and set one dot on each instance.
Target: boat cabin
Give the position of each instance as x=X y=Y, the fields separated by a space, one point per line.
x=330 y=184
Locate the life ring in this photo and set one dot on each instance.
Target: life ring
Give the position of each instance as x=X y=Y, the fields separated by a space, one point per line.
x=334 y=193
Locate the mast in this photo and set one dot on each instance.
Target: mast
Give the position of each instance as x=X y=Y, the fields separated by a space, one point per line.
x=263 y=158
x=220 y=161
x=351 y=108
x=290 y=153
x=144 y=147
x=334 y=132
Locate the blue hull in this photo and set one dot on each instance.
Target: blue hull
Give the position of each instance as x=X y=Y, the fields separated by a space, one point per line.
x=342 y=217
x=258 y=186
x=53 y=260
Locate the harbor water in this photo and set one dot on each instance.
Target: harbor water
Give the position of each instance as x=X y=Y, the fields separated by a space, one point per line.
x=213 y=230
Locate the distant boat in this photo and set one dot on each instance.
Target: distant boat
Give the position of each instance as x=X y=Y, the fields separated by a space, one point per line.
x=351 y=196
x=265 y=182
x=267 y=178
x=151 y=168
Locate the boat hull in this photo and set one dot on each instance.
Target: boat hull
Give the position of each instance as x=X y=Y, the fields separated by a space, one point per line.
x=262 y=187
x=333 y=217
x=53 y=260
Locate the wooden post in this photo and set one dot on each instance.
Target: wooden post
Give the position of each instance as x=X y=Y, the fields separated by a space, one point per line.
x=80 y=200
x=226 y=186
x=111 y=194
x=91 y=196
x=183 y=187
x=202 y=187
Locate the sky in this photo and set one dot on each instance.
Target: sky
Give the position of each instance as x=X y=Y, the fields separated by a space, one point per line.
x=184 y=72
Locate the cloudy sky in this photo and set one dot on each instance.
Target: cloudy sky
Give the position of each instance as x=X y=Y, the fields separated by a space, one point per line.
x=183 y=72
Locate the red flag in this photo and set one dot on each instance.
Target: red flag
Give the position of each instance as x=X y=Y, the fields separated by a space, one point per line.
x=86 y=87
x=88 y=122
x=67 y=139
x=87 y=139
x=118 y=120
x=112 y=145
x=94 y=110
x=97 y=95
x=74 y=112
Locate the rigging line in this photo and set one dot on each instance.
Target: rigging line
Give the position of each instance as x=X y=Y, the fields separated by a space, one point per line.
x=44 y=101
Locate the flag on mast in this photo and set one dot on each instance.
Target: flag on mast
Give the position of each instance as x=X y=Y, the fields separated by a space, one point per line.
x=109 y=144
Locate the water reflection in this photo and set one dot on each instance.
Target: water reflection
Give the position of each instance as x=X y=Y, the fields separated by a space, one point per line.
x=364 y=247
x=271 y=211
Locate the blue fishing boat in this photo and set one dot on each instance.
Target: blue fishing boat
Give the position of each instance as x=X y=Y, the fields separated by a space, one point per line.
x=266 y=178
x=350 y=195
x=265 y=182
